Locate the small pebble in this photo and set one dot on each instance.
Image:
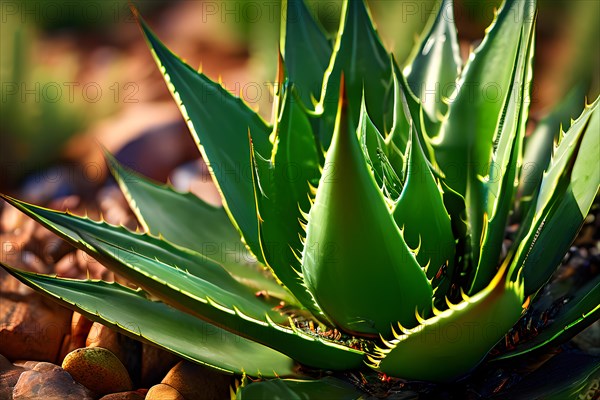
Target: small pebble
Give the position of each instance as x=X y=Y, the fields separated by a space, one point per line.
x=163 y=392
x=98 y=369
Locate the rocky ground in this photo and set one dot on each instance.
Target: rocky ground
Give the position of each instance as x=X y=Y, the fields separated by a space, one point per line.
x=37 y=334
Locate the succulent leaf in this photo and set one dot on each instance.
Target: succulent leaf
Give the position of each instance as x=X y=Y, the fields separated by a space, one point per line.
x=220 y=124
x=500 y=186
x=469 y=329
x=166 y=212
x=180 y=333
x=355 y=261
x=306 y=50
x=539 y=145
x=465 y=144
x=376 y=152
x=422 y=217
x=210 y=296
x=282 y=190
x=436 y=64
x=566 y=376
x=397 y=139
x=581 y=310
x=567 y=190
x=292 y=389
x=360 y=57
x=370 y=206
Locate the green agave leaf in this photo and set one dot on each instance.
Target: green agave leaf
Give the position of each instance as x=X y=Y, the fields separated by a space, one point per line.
x=210 y=296
x=124 y=247
x=362 y=59
x=413 y=115
x=465 y=144
x=132 y=313
x=450 y=344
x=282 y=190
x=306 y=50
x=68 y=226
x=421 y=215
x=220 y=124
x=566 y=376
x=186 y=220
x=501 y=186
x=355 y=261
x=580 y=310
x=436 y=64
x=290 y=389
x=376 y=152
x=539 y=145
x=565 y=196
x=397 y=139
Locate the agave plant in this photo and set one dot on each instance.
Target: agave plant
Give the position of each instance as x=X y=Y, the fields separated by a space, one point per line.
x=372 y=213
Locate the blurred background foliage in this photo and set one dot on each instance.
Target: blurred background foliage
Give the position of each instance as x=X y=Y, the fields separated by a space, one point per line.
x=55 y=55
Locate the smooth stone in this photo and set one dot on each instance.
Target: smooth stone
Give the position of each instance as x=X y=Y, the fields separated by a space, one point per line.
x=163 y=392
x=98 y=369
x=131 y=395
x=195 y=381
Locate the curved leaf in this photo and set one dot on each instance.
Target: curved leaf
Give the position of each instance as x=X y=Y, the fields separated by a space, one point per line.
x=565 y=196
x=132 y=313
x=290 y=389
x=580 y=310
x=467 y=137
x=210 y=296
x=306 y=50
x=220 y=124
x=565 y=376
x=422 y=217
x=539 y=145
x=436 y=65
x=355 y=262
x=186 y=220
x=282 y=190
x=501 y=183
x=376 y=152
x=362 y=59
x=450 y=344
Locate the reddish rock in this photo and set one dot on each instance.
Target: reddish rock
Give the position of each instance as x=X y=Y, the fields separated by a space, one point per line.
x=164 y=392
x=68 y=267
x=114 y=207
x=88 y=264
x=195 y=381
x=50 y=382
x=9 y=375
x=79 y=265
x=11 y=219
x=47 y=246
x=31 y=326
x=80 y=329
x=98 y=369
x=155 y=364
x=132 y=395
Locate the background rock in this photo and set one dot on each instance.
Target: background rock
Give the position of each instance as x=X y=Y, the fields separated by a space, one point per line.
x=195 y=381
x=31 y=326
x=50 y=382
